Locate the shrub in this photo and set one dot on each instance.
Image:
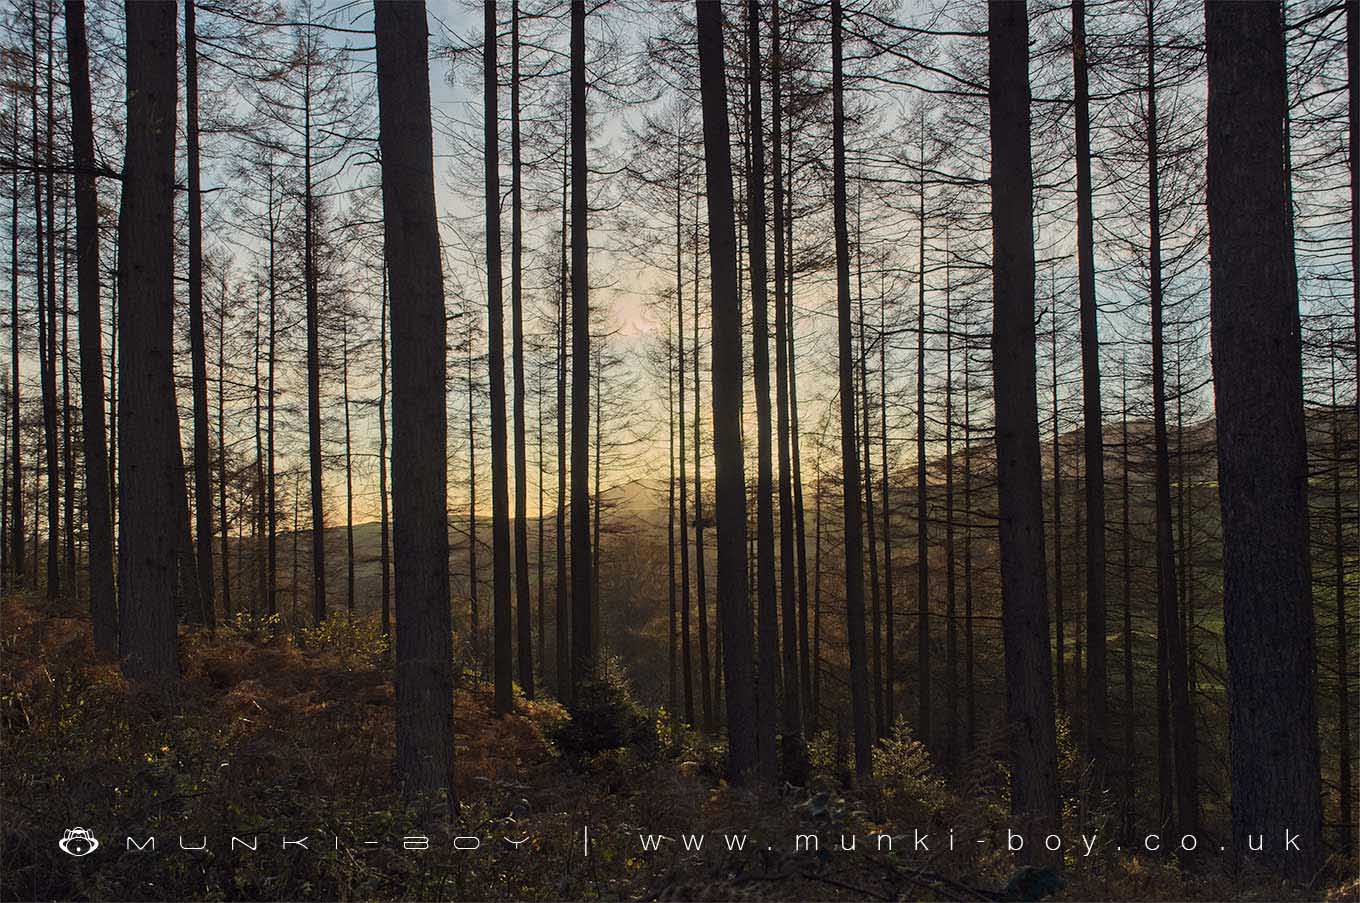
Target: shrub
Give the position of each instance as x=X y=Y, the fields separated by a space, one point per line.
x=605 y=716
x=907 y=779
x=357 y=642
x=253 y=625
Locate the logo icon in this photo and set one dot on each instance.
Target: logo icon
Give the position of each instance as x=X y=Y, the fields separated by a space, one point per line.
x=78 y=842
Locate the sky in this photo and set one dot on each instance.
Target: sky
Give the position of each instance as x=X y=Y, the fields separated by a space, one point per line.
x=625 y=285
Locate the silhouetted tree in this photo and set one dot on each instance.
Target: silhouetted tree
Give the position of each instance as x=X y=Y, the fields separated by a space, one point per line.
x=419 y=490
x=793 y=699
x=524 y=639
x=1262 y=463
x=197 y=353
x=767 y=613
x=103 y=610
x=1024 y=609
x=150 y=460
x=582 y=633
x=853 y=520
x=500 y=504
x=16 y=460
x=734 y=607
x=1092 y=422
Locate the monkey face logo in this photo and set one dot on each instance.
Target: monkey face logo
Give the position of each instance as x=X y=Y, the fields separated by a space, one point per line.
x=78 y=842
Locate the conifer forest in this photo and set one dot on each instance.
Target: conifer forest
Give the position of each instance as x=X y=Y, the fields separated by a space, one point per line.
x=534 y=450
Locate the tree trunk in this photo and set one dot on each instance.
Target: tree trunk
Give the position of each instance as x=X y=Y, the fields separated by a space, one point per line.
x=103 y=607
x=1267 y=597
x=767 y=614
x=1171 y=643
x=734 y=607
x=67 y=454
x=149 y=437
x=563 y=613
x=889 y=628
x=222 y=456
x=419 y=468
x=349 y=470
x=950 y=565
x=309 y=279
x=1078 y=532
x=47 y=377
x=850 y=477
x=1353 y=152
x=541 y=555
x=582 y=654
x=475 y=626
x=795 y=753
x=597 y=367
x=1185 y=512
x=190 y=602
x=271 y=501
x=16 y=517
x=880 y=726
x=1092 y=413
x=707 y=696
x=969 y=655
x=1024 y=610
x=113 y=402
x=197 y=349
x=1126 y=571
x=4 y=508
x=297 y=528
x=1059 y=609
x=525 y=618
x=816 y=707
x=672 y=666
x=804 y=651
x=1345 y=790
x=500 y=505
x=258 y=527
x=37 y=498
x=686 y=653
x=385 y=534
x=49 y=316
x=240 y=540
x=922 y=498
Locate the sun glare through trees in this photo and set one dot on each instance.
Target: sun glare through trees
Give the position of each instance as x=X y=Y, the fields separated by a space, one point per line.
x=693 y=449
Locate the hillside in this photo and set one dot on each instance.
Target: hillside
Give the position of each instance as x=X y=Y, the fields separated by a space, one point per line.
x=271 y=739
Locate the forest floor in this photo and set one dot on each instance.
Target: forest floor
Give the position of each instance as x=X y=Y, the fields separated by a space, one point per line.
x=271 y=738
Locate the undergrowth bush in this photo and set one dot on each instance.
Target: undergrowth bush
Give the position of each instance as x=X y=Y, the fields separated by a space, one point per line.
x=605 y=715
x=359 y=642
x=254 y=625
x=910 y=788
x=260 y=737
x=257 y=737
